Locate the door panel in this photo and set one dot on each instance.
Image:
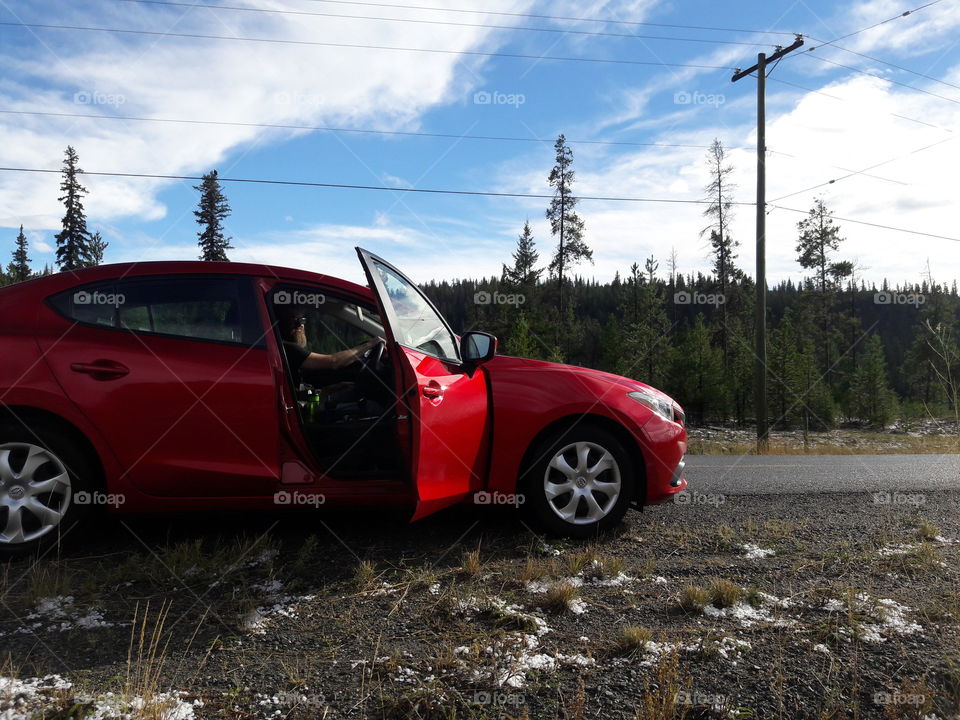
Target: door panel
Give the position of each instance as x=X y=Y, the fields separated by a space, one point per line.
x=185 y=417
x=448 y=406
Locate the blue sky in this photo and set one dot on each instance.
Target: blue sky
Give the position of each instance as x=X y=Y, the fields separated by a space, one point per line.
x=841 y=122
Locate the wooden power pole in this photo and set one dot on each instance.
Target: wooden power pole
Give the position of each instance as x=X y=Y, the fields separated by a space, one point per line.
x=760 y=366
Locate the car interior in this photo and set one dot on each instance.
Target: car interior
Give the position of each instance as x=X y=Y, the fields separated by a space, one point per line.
x=348 y=415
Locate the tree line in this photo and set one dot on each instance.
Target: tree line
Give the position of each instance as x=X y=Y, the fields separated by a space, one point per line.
x=78 y=248
x=839 y=350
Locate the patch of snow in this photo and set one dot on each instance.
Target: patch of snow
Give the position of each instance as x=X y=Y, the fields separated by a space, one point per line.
x=61 y=615
x=901 y=549
x=755 y=552
x=660 y=580
x=821 y=648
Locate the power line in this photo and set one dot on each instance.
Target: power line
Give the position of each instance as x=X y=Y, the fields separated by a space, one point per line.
x=834 y=97
x=823 y=43
x=440 y=191
x=345 y=186
x=605 y=21
x=885 y=162
x=278 y=41
x=881 y=77
x=882 y=22
x=403 y=133
x=876 y=225
x=418 y=21
x=321 y=128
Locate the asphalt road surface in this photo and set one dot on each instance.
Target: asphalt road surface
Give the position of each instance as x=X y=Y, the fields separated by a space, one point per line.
x=798 y=474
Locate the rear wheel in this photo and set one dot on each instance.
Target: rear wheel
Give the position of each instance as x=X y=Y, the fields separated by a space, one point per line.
x=40 y=474
x=580 y=483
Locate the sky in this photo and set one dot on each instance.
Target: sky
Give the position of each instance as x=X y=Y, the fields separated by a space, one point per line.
x=640 y=88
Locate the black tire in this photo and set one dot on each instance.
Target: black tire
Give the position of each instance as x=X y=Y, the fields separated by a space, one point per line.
x=582 y=525
x=15 y=441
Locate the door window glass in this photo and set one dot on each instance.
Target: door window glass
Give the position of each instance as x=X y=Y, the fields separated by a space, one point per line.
x=419 y=325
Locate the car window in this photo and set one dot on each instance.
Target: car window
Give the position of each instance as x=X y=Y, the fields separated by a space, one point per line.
x=200 y=308
x=419 y=325
x=330 y=324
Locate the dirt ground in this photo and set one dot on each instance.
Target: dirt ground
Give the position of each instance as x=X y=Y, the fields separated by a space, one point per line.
x=756 y=607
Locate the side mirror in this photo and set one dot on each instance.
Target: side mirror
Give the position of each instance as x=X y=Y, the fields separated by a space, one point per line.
x=477 y=347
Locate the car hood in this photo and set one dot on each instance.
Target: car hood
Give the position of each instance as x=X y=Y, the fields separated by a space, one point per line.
x=505 y=363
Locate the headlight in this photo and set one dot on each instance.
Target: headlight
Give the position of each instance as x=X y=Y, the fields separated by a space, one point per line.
x=660 y=404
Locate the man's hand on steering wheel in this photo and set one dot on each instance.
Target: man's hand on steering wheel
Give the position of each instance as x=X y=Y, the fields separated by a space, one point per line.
x=372 y=357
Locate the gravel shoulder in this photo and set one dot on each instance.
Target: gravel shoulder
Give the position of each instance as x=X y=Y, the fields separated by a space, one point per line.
x=766 y=606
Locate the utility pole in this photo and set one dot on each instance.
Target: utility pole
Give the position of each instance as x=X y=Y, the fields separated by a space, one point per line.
x=760 y=366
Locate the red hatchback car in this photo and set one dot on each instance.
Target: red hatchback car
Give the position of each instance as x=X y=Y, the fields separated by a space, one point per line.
x=171 y=386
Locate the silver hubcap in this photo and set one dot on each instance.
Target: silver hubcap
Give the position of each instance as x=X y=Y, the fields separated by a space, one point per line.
x=582 y=483
x=34 y=492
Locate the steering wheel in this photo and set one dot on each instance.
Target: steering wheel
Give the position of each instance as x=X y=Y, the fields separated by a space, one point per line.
x=373 y=359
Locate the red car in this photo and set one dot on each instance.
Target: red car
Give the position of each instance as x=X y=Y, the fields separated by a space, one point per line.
x=170 y=386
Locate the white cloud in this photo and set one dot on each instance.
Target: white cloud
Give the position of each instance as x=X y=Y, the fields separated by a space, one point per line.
x=209 y=79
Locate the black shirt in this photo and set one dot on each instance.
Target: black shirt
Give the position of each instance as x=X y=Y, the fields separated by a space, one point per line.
x=296 y=356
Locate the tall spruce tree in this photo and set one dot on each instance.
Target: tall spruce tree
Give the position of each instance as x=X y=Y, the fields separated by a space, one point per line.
x=19 y=268
x=565 y=224
x=73 y=241
x=212 y=211
x=870 y=398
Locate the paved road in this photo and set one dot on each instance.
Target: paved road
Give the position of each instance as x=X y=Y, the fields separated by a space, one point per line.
x=797 y=474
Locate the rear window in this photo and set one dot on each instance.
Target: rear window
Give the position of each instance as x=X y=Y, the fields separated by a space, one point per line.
x=215 y=309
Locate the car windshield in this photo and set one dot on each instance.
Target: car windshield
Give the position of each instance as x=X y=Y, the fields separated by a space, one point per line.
x=418 y=324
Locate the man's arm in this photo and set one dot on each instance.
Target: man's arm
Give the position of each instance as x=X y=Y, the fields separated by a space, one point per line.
x=338 y=360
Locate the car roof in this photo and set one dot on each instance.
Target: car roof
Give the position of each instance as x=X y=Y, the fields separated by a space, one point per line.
x=49 y=284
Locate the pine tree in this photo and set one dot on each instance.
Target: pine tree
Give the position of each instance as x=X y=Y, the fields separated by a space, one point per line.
x=73 y=241
x=565 y=223
x=819 y=239
x=870 y=398
x=523 y=274
x=520 y=342
x=699 y=374
x=212 y=211
x=98 y=247
x=719 y=196
x=19 y=268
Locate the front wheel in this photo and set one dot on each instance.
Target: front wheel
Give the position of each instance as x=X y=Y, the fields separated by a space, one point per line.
x=40 y=473
x=580 y=484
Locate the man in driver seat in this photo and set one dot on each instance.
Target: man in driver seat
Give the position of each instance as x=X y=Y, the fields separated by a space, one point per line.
x=293 y=331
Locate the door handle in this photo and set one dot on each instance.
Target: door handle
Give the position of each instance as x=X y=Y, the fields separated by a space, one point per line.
x=432 y=390
x=101 y=369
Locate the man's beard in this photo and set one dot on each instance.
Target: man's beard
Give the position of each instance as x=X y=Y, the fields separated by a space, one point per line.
x=300 y=337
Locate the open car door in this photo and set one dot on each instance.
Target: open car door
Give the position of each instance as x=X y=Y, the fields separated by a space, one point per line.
x=447 y=404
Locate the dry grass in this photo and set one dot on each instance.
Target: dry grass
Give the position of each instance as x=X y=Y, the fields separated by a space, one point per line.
x=558 y=598
x=724 y=594
x=470 y=564
x=927 y=531
x=694 y=599
x=365 y=575
x=631 y=640
x=658 y=700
